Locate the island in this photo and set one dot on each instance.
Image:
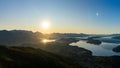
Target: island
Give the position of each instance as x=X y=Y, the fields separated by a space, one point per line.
x=116 y=49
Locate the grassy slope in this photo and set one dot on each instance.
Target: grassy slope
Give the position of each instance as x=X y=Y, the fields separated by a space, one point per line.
x=19 y=57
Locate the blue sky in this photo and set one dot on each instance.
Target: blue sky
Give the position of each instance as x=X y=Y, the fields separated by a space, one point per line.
x=65 y=16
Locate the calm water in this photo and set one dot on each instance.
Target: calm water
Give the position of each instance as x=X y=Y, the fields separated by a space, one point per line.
x=104 y=49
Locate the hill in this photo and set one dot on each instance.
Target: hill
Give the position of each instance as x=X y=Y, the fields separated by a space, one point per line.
x=26 y=57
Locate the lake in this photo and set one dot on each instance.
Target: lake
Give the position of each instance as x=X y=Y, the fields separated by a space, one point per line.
x=104 y=49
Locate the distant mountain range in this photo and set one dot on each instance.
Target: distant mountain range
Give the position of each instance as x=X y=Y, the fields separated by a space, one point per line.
x=23 y=36
x=18 y=36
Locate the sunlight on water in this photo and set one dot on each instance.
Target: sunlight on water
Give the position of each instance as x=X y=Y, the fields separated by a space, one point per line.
x=46 y=40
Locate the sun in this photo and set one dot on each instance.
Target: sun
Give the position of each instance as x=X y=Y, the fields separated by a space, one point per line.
x=45 y=24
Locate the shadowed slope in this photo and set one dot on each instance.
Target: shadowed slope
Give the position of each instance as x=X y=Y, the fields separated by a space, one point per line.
x=19 y=57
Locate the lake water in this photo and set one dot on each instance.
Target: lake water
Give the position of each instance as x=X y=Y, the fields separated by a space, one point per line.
x=104 y=49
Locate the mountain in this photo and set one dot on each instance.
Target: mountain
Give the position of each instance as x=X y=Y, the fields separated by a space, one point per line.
x=58 y=54
x=67 y=35
x=19 y=37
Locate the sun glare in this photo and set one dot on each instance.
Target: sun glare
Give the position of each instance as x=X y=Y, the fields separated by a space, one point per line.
x=45 y=41
x=45 y=24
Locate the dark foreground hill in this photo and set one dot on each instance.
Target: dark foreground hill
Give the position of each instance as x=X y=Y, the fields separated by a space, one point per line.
x=21 y=57
x=27 y=57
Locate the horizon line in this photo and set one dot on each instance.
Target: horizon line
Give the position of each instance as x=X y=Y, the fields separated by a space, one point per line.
x=57 y=32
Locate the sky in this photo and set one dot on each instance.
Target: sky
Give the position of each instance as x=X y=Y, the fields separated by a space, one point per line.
x=63 y=16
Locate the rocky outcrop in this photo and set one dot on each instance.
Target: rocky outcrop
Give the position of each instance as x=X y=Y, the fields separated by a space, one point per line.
x=116 y=49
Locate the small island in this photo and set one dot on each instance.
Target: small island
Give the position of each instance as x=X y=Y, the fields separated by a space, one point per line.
x=116 y=49
x=93 y=41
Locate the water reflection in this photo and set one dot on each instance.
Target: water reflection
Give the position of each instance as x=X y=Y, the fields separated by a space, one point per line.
x=104 y=49
x=47 y=40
